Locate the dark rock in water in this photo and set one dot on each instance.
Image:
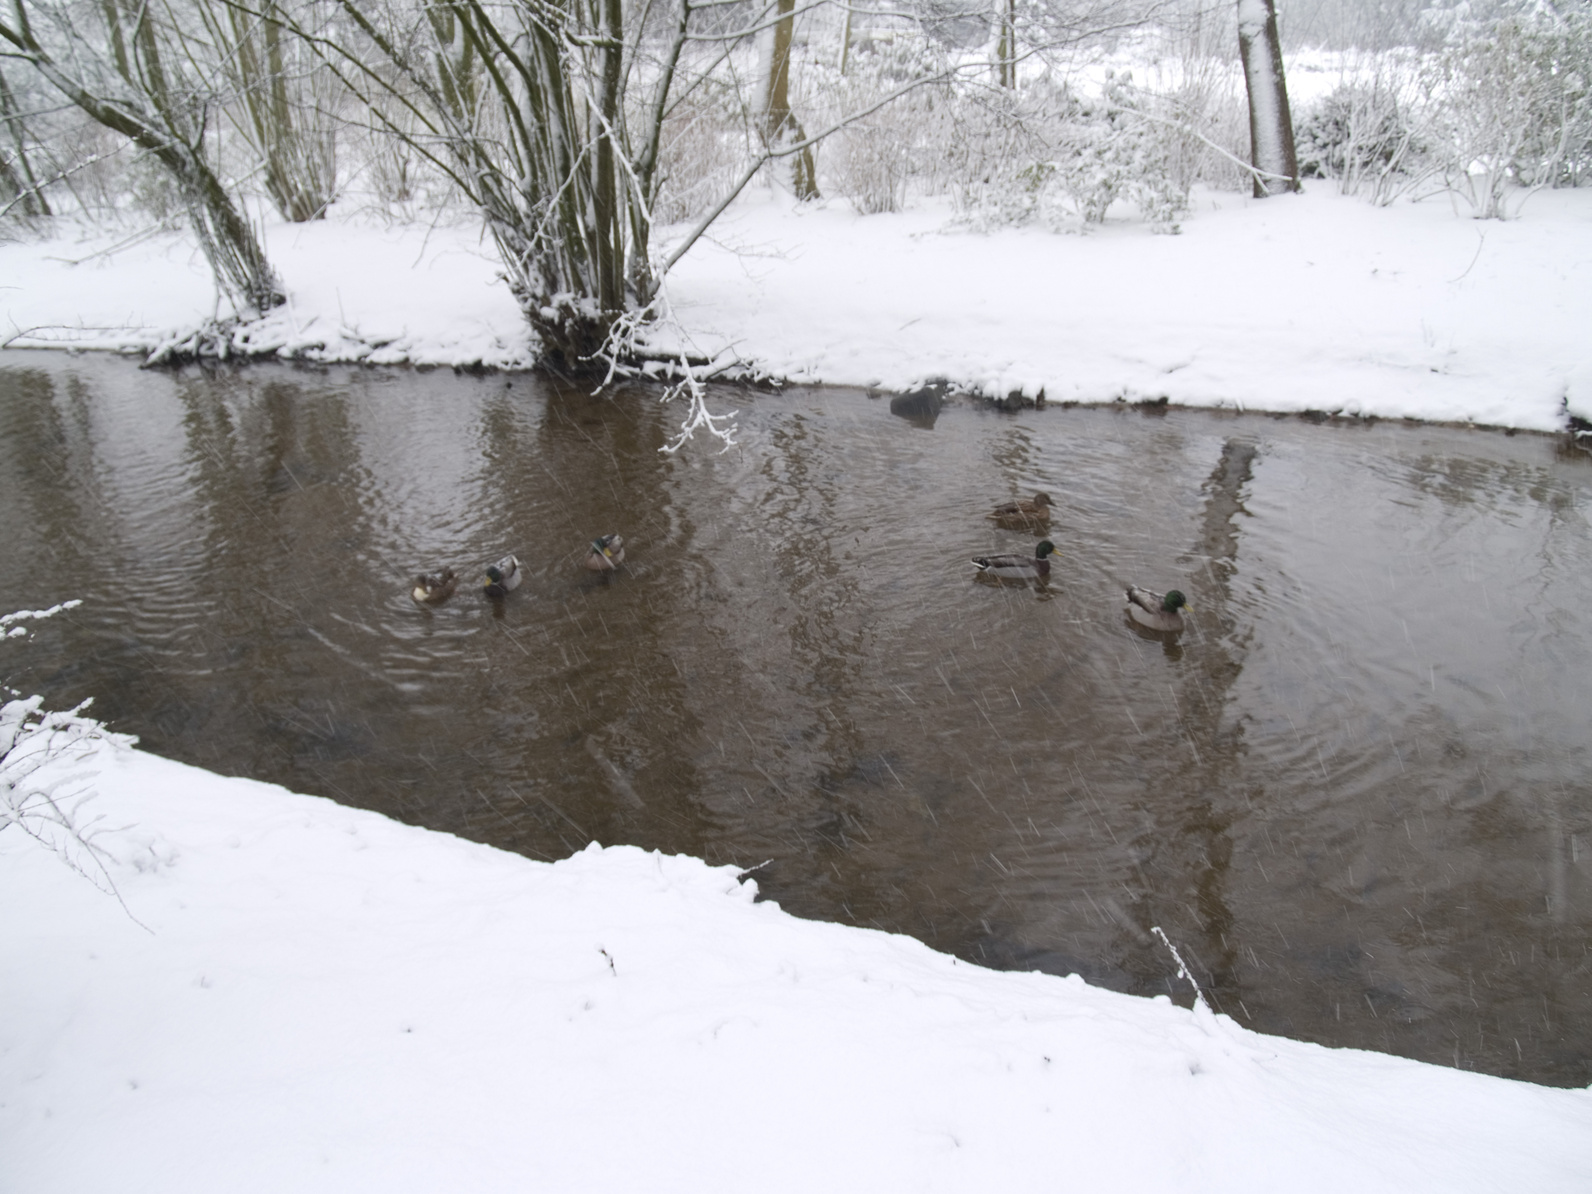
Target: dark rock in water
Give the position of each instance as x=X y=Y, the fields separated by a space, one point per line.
x=921 y=406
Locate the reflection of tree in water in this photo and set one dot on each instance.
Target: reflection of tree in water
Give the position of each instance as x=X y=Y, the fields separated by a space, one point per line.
x=614 y=753
x=816 y=762
x=1202 y=769
x=53 y=490
x=1461 y=483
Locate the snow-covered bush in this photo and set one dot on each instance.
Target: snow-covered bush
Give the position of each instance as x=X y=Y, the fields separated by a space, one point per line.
x=1366 y=135
x=1047 y=154
x=704 y=144
x=870 y=162
x=38 y=796
x=1511 y=103
x=1205 y=129
x=30 y=739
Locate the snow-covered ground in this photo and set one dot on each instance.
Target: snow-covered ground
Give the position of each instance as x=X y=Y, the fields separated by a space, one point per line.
x=1315 y=301
x=300 y=996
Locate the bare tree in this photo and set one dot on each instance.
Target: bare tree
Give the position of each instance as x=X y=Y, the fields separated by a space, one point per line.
x=780 y=125
x=134 y=87
x=1270 y=121
x=283 y=105
x=1006 y=43
x=16 y=170
x=521 y=107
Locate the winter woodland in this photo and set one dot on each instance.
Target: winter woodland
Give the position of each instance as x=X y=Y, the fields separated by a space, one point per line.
x=575 y=131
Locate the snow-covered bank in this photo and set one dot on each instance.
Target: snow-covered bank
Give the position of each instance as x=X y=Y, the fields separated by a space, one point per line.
x=324 y=999
x=358 y=290
x=1314 y=301
x=1301 y=302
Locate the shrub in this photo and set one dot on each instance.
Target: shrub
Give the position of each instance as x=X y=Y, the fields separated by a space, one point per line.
x=1364 y=134
x=703 y=147
x=1047 y=154
x=1512 y=103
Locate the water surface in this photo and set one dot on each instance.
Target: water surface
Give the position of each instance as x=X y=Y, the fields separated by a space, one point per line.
x=1357 y=792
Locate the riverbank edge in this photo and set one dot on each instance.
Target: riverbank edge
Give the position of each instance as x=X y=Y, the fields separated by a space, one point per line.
x=1576 y=431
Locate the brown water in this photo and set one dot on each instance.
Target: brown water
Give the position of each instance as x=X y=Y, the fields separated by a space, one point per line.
x=1357 y=793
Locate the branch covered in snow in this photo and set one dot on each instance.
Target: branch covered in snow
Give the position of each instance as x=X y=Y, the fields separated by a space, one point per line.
x=9 y=629
x=40 y=794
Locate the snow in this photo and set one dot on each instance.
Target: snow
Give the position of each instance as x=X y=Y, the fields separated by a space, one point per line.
x=358 y=289
x=302 y=996
x=1314 y=301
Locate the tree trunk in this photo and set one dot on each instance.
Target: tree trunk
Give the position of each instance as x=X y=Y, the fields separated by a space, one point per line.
x=1271 y=136
x=779 y=122
x=1006 y=44
x=24 y=183
x=295 y=146
x=610 y=252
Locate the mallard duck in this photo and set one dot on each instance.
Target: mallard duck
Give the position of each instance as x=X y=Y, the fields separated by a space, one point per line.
x=1155 y=612
x=1036 y=566
x=1024 y=512
x=606 y=554
x=503 y=576
x=434 y=590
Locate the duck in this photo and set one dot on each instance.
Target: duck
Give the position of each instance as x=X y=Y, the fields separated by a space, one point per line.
x=503 y=576
x=1014 y=567
x=1024 y=512
x=607 y=553
x=435 y=589
x=1155 y=612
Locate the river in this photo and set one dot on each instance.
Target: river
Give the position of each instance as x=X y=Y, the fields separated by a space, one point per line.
x=1356 y=793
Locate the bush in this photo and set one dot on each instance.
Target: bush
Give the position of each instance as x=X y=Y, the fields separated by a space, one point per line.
x=704 y=146
x=1365 y=135
x=1512 y=103
x=1049 y=155
x=871 y=163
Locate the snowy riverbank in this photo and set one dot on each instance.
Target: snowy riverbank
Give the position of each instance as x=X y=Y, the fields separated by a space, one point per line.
x=1304 y=302
x=317 y=998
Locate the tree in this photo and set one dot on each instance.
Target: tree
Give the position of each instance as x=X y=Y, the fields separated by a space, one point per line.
x=16 y=174
x=780 y=125
x=1006 y=43
x=521 y=107
x=1271 y=139
x=135 y=88
x=281 y=109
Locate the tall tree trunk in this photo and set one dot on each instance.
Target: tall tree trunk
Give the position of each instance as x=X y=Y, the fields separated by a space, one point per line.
x=610 y=238
x=19 y=180
x=1271 y=137
x=296 y=147
x=1006 y=44
x=779 y=122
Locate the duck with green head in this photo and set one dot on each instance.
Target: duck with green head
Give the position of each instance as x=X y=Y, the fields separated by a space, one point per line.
x=607 y=553
x=1156 y=612
x=503 y=577
x=1015 y=567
